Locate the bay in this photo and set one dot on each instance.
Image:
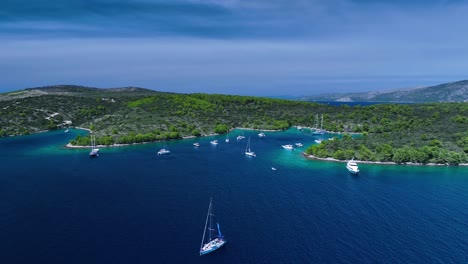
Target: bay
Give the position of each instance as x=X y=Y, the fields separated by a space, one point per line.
x=130 y=205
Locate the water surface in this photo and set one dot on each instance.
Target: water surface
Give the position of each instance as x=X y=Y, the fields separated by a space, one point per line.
x=131 y=206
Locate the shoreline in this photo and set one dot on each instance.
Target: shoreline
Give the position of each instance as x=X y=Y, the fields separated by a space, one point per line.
x=68 y=145
x=328 y=132
x=312 y=157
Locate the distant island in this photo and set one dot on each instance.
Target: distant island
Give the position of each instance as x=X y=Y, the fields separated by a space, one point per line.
x=400 y=133
x=447 y=92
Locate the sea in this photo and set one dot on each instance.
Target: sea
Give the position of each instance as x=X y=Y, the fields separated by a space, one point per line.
x=129 y=205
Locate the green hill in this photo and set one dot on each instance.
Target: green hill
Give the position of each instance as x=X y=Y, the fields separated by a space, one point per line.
x=435 y=132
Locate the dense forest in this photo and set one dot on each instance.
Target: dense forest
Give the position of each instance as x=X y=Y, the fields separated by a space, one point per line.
x=423 y=133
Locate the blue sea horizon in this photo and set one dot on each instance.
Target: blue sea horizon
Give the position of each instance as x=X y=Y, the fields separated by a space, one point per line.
x=130 y=205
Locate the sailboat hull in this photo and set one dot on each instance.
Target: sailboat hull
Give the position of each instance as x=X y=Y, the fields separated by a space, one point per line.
x=212 y=245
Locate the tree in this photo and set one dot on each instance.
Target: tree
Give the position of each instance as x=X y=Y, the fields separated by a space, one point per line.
x=221 y=128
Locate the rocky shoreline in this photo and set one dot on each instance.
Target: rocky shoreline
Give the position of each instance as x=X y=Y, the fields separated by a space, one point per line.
x=312 y=157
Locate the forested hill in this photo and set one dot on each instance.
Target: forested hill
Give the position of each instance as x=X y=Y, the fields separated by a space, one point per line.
x=447 y=92
x=435 y=132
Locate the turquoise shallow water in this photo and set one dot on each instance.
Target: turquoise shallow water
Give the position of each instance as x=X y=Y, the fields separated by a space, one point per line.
x=131 y=206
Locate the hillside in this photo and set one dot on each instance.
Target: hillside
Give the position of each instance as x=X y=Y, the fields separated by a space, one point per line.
x=435 y=132
x=122 y=112
x=447 y=92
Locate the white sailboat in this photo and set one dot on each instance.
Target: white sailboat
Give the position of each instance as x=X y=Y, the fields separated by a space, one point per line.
x=94 y=151
x=214 y=142
x=213 y=242
x=164 y=151
x=227 y=137
x=261 y=134
x=320 y=131
x=248 y=152
x=240 y=137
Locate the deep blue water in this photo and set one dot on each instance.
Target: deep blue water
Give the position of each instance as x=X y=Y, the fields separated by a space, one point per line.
x=131 y=206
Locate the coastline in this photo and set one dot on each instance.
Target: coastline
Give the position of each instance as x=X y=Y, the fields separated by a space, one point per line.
x=312 y=157
x=68 y=145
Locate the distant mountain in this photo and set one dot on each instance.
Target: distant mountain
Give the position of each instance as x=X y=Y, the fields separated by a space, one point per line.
x=75 y=89
x=447 y=92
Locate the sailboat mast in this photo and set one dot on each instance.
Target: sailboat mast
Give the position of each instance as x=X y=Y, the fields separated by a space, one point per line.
x=321 y=124
x=211 y=225
x=206 y=223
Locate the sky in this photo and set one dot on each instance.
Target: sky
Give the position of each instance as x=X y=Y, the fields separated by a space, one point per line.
x=245 y=47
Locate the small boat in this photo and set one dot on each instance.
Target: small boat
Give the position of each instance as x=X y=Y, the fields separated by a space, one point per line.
x=248 y=152
x=66 y=131
x=214 y=241
x=214 y=142
x=261 y=134
x=288 y=147
x=94 y=151
x=196 y=144
x=299 y=144
x=164 y=151
x=352 y=167
x=240 y=137
x=299 y=128
x=318 y=141
x=227 y=137
x=273 y=168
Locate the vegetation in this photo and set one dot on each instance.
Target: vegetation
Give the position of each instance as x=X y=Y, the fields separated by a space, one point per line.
x=423 y=133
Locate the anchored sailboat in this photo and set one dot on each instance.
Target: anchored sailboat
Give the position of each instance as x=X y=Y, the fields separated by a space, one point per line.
x=213 y=242
x=248 y=151
x=320 y=131
x=94 y=151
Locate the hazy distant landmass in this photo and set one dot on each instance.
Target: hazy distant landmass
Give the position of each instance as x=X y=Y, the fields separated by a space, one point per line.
x=447 y=92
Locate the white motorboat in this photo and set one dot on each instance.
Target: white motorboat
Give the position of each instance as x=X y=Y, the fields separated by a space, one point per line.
x=288 y=147
x=164 y=151
x=352 y=167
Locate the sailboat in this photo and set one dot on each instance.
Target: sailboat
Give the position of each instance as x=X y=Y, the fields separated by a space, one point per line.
x=213 y=242
x=227 y=137
x=320 y=131
x=240 y=137
x=164 y=151
x=248 y=151
x=94 y=151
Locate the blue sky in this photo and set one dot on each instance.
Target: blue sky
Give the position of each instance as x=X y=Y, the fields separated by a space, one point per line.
x=255 y=47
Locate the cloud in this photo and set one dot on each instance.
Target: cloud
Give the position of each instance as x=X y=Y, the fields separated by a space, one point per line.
x=218 y=66
x=234 y=46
